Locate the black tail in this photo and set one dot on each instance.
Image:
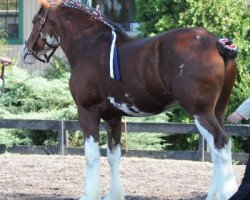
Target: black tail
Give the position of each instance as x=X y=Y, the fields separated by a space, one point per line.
x=226 y=48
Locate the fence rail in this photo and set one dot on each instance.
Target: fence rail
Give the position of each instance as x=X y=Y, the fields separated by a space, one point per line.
x=62 y=127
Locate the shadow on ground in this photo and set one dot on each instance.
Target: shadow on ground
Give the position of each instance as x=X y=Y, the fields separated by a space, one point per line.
x=22 y=196
x=162 y=198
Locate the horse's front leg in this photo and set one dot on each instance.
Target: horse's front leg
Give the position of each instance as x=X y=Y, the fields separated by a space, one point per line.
x=223 y=184
x=89 y=122
x=116 y=190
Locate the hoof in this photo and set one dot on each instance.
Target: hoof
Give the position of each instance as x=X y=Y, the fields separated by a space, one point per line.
x=229 y=190
x=224 y=194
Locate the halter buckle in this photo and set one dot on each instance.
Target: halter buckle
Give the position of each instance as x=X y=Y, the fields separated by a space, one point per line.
x=42 y=21
x=42 y=35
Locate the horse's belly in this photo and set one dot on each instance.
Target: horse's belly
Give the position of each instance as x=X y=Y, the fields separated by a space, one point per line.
x=131 y=109
x=128 y=108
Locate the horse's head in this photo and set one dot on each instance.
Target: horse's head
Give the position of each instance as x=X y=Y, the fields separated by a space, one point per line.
x=43 y=37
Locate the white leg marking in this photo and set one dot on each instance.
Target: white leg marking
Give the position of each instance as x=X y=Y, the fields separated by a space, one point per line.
x=116 y=190
x=223 y=184
x=93 y=183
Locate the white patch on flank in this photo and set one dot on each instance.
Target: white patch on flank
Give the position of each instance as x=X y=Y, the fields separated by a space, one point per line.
x=181 y=69
x=116 y=190
x=93 y=183
x=223 y=184
x=198 y=37
x=131 y=110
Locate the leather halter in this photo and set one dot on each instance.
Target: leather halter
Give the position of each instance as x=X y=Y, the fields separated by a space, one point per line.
x=41 y=34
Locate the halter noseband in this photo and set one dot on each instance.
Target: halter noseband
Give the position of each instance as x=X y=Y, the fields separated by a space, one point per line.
x=41 y=34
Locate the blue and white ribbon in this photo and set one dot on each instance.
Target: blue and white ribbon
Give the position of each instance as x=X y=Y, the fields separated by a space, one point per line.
x=113 y=61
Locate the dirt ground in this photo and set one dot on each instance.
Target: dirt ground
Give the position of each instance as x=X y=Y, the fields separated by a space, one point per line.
x=61 y=178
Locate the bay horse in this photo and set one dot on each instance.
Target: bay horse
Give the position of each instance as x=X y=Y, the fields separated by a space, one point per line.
x=189 y=66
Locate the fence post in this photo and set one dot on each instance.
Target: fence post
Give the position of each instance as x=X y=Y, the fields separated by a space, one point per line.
x=66 y=141
x=60 y=137
x=201 y=148
x=66 y=138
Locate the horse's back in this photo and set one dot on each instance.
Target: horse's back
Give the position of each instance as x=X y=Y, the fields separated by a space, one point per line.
x=168 y=51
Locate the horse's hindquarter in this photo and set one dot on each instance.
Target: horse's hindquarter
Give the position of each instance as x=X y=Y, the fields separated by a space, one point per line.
x=194 y=67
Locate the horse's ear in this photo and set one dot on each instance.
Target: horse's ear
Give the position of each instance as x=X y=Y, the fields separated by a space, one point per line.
x=44 y=4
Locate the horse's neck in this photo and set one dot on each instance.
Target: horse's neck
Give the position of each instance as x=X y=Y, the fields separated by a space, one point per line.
x=85 y=45
x=78 y=43
x=82 y=37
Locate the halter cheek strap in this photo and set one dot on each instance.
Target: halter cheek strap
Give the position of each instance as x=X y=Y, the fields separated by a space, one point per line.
x=43 y=38
x=42 y=23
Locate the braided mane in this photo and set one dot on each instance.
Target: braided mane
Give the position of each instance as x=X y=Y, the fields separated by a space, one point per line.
x=93 y=13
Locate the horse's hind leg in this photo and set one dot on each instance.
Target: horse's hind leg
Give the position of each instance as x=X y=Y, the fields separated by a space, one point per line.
x=116 y=190
x=223 y=184
x=229 y=79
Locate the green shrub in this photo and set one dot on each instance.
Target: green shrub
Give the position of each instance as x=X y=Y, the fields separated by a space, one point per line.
x=59 y=69
x=11 y=137
x=3 y=43
x=34 y=97
x=26 y=95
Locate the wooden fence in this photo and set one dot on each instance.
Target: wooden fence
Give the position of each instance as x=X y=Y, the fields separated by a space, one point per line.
x=62 y=127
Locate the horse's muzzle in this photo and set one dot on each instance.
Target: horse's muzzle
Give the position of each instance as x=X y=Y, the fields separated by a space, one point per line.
x=27 y=56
